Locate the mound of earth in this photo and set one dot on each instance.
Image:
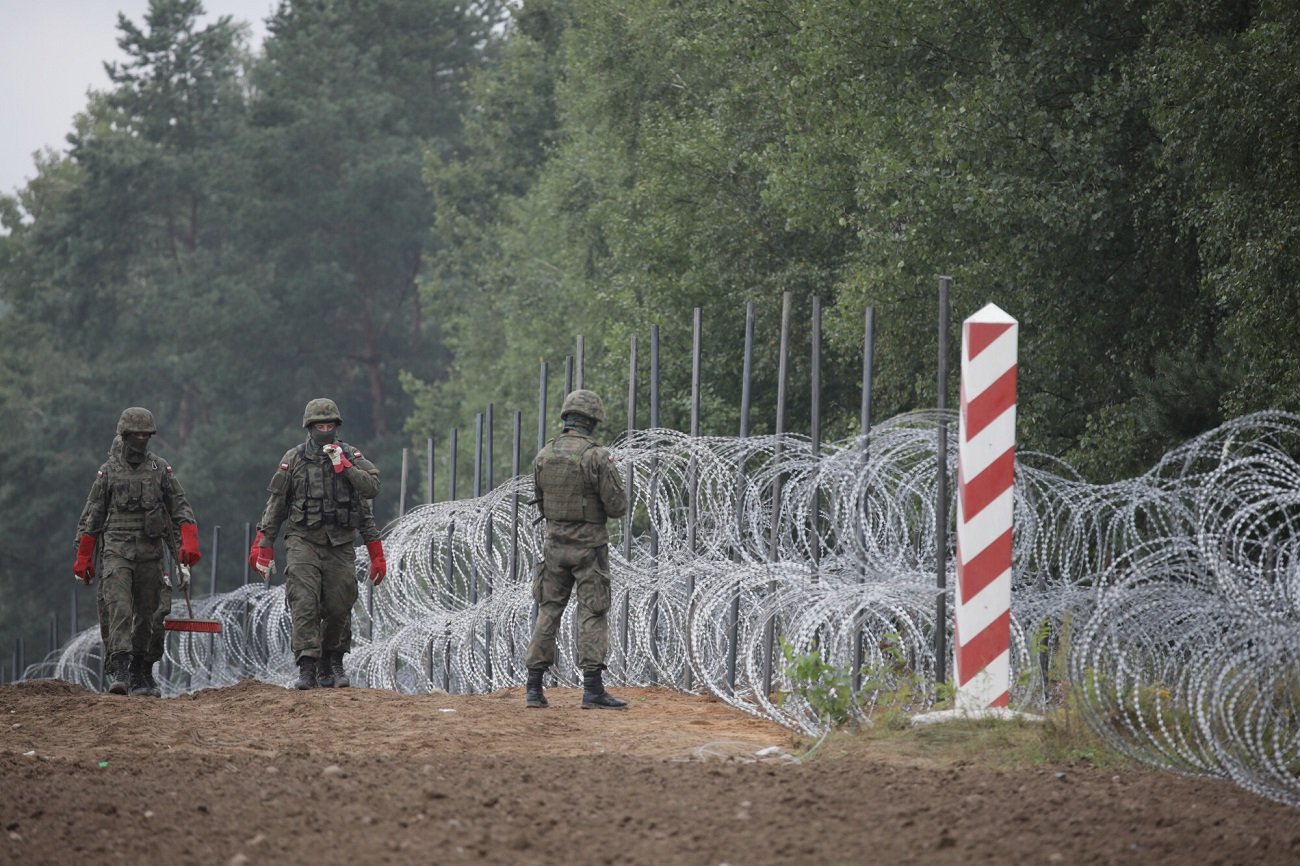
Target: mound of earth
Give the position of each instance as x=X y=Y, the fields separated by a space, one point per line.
x=260 y=774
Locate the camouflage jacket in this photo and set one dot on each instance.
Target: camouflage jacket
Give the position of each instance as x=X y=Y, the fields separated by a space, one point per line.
x=600 y=486
x=137 y=510
x=310 y=500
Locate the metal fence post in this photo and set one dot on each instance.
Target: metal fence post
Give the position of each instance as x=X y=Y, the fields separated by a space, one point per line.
x=628 y=483
x=769 y=630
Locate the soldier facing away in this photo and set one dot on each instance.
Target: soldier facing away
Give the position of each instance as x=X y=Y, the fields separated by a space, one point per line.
x=578 y=489
x=322 y=495
x=134 y=507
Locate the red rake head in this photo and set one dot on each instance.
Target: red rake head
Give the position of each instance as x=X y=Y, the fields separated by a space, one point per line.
x=206 y=626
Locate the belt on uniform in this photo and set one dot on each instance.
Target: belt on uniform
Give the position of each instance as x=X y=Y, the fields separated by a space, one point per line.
x=124 y=525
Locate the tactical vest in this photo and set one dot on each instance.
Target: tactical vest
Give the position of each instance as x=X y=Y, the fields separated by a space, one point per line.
x=566 y=495
x=136 y=497
x=322 y=497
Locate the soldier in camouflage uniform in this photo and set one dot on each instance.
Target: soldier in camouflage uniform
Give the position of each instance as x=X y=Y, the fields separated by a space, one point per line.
x=578 y=489
x=322 y=495
x=134 y=507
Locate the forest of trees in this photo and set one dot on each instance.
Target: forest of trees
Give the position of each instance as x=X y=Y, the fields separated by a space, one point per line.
x=406 y=204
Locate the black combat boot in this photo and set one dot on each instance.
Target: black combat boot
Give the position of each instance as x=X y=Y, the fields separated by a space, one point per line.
x=336 y=667
x=154 y=690
x=324 y=673
x=534 y=697
x=306 y=673
x=118 y=672
x=139 y=685
x=594 y=696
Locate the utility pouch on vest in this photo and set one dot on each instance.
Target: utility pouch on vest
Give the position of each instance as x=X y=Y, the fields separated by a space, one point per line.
x=315 y=481
x=155 y=522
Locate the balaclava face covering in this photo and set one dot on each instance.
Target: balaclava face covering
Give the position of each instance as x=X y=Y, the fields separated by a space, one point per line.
x=321 y=438
x=579 y=422
x=134 y=447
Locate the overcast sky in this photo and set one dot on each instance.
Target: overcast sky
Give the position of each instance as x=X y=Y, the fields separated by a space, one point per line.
x=52 y=52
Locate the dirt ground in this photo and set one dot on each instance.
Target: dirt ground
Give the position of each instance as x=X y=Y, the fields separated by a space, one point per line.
x=259 y=774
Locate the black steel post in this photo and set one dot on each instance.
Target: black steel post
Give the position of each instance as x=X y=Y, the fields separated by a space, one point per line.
x=216 y=551
x=816 y=432
x=248 y=544
x=693 y=481
x=451 y=466
x=449 y=563
x=746 y=375
x=579 y=362
x=815 y=365
x=941 y=497
x=541 y=408
x=489 y=425
x=769 y=630
x=401 y=489
x=654 y=377
x=628 y=483
x=516 y=435
x=477 y=489
x=487 y=536
x=631 y=428
x=747 y=370
x=429 y=474
x=568 y=374
x=868 y=362
x=654 y=490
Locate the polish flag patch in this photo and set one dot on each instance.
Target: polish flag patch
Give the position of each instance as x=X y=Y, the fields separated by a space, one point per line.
x=284 y=466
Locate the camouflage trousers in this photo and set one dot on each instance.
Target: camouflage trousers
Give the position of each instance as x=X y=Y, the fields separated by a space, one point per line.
x=562 y=568
x=128 y=600
x=320 y=583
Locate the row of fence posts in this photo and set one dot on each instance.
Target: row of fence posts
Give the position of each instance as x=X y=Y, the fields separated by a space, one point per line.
x=574 y=378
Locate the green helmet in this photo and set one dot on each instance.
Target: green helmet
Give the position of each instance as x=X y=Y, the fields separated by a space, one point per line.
x=136 y=420
x=319 y=410
x=584 y=402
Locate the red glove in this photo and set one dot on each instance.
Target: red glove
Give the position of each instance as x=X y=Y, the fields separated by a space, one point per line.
x=190 y=544
x=378 y=565
x=252 y=551
x=338 y=458
x=261 y=558
x=84 y=567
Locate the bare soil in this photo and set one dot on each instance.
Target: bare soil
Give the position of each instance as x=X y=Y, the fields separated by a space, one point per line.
x=259 y=774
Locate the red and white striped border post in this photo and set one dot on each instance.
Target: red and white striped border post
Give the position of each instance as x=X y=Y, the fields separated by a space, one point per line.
x=986 y=454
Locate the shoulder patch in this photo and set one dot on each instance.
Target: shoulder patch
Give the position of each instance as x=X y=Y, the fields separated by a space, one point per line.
x=169 y=468
x=356 y=452
x=284 y=467
x=99 y=473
